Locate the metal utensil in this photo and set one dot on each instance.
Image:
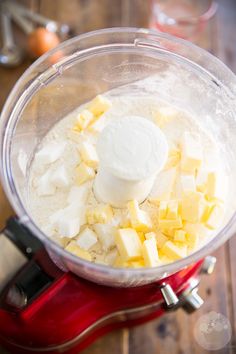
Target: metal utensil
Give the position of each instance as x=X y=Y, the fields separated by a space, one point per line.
x=50 y=25
x=10 y=54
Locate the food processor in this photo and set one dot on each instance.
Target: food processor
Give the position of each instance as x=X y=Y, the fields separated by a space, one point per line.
x=52 y=301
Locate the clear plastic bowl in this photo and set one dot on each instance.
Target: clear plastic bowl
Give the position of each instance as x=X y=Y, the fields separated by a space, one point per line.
x=93 y=63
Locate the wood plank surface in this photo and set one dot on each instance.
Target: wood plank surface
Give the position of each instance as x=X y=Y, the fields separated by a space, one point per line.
x=173 y=333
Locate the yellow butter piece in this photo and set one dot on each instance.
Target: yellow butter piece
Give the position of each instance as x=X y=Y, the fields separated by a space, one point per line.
x=83 y=120
x=188 y=183
x=84 y=173
x=201 y=180
x=216 y=186
x=197 y=229
x=166 y=224
x=191 y=152
x=128 y=244
x=150 y=235
x=206 y=209
x=164 y=259
x=150 y=253
x=173 y=160
x=172 y=210
x=97 y=126
x=101 y=214
x=192 y=206
x=120 y=263
x=192 y=239
x=136 y=264
x=174 y=252
x=164 y=115
x=99 y=105
x=72 y=247
x=180 y=236
x=162 y=209
x=169 y=233
x=88 y=154
x=161 y=239
x=215 y=217
x=141 y=236
x=140 y=220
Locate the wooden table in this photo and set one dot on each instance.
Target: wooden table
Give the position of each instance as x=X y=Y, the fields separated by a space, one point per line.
x=172 y=334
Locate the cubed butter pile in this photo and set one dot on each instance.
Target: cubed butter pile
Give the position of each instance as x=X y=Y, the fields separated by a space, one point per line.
x=185 y=207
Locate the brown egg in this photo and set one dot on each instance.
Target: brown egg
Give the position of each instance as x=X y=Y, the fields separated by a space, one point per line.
x=41 y=40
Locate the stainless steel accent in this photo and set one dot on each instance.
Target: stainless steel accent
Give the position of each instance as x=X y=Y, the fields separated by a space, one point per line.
x=26 y=26
x=169 y=295
x=16 y=298
x=208 y=265
x=193 y=301
x=50 y=25
x=11 y=260
x=10 y=54
x=190 y=299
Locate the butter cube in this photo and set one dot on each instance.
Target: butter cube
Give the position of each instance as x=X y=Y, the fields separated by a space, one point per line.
x=88 y=154
x=197 y=229
x=141 y=236
x=172 y=210
x=150 y=253
x=106 y=235
x=201 y=180
x=99 y=105
x=161 y=239
x=164 y=115
x=120 y=263
x=72 y=247
x=84 y=173
x=162 y=209
x=97 y=126
x=174 y=252
x=173 y=160
x=192 y=240
x=86 y=239
x=169 y=232
x=191 y=153
x=188 y=183
x=83 y=120
x=180 y=236
x=166 y=224
x=101 y=214
x=206 y=209
x=216 y=217
x=192 y=206
x=150 y=236
x=128 y=244
x=111 y=256
x=163 y=186
x=136 y=264
x=216 y=186
x=140 y=220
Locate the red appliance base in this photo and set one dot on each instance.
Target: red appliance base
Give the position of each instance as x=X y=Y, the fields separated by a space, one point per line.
x=73 y=312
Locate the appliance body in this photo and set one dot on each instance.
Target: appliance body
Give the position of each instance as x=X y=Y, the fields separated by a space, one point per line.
x=56 y=302
x=46 y=309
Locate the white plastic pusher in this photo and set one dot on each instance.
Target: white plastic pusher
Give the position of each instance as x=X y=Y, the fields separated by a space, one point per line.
x=131 y=151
